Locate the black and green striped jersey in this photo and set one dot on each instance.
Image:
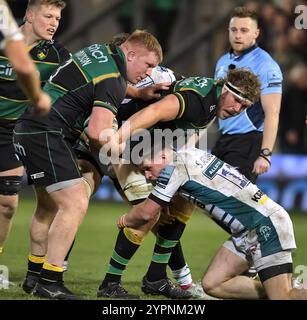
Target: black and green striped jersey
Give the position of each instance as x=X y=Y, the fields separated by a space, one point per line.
x=47 y=55
x=93 y=77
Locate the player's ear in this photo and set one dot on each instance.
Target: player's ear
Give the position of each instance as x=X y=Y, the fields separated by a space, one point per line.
x=257 y=32
x=29 y=16
x=131 y=55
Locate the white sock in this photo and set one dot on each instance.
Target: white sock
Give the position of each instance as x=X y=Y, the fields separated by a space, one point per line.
x=183 y=276
x=65 y=266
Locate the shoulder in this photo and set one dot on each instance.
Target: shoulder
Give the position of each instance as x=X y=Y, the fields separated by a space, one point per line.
x=264 y=59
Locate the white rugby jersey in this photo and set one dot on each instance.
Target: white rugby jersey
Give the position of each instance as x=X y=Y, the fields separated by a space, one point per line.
x=215 y=186
x=8 y=26
x=159 y=74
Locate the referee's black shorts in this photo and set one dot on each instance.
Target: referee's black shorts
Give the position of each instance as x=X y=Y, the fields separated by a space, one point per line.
x=240 y=150
x=47 y=156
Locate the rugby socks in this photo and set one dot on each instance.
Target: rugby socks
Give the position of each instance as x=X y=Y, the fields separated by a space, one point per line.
x=183 y=277
x=35 y=264
x=1 y=250
x=181 y=271
x=167 y=239
x=125 y=247
x=65 y=263
x=50 y=274
x=177 y=260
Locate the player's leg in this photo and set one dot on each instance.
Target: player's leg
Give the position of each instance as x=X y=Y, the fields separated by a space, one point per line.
x=92 y=178
x=280 y=288
x=45 y=212
x=50 y=162
x=135 y=189
x=275 y=270
x=11 y=172
x=168 y=235
x=10 y=185
x=223 y=280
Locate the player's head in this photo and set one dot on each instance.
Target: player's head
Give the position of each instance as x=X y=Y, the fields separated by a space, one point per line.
x=241 y=89
x=243 y=29
x=154 y=159
x=44 y=17
x=120 y=38
x=143 y=52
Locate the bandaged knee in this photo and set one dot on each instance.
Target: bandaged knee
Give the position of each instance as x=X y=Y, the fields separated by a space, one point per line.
x=135 y=236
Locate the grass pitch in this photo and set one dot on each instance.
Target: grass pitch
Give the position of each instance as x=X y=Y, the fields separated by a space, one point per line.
x=95 y=242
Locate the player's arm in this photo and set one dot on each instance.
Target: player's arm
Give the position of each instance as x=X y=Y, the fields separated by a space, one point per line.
x=147 y=93
x=271 y=107
x=100 y=127
x=165 y=109
x=141 y=214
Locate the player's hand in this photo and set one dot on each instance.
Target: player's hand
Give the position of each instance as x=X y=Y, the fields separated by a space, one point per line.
x=121 y=223
x=43 y=105
x=165 y=216
x=261 y=165
x=152 y=92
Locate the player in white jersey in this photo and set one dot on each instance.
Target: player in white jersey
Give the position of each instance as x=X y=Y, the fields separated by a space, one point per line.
x=262 y=231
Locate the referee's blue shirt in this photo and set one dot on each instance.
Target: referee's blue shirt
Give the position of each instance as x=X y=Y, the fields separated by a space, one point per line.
x=270 y=76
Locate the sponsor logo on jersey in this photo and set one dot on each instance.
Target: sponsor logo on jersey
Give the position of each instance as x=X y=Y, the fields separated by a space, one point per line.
x=165 y=176
x=213 y=168
x=235 y=177
x=260 y=197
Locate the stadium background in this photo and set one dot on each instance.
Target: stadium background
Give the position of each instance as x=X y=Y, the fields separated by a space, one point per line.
x=196 y=37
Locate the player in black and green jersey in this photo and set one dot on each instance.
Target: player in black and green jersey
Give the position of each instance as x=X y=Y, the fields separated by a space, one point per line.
x=41 y=22
x=91 y=84
x=191 y=103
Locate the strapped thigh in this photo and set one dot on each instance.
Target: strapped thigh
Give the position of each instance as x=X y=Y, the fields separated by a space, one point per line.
x=10 y=185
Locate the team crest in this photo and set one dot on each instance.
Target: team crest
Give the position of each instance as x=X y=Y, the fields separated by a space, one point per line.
x=41 y=55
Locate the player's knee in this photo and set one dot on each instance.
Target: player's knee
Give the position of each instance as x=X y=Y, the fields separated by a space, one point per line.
x=209 y=285
x=8 y=209
x=181 y=216
x=135 y=236
x=10 y=185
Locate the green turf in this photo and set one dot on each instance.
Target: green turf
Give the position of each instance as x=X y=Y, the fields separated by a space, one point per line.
x=95 y=242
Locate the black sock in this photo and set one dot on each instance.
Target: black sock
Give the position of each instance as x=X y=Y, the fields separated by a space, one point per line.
x=167 y=238
x=50 y=274
x=177 y=260
x=69 y=251
x=123 y=252
x=35 y=264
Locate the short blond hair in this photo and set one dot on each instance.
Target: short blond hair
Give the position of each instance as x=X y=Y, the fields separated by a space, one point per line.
x=147 y=40
x=57 y=3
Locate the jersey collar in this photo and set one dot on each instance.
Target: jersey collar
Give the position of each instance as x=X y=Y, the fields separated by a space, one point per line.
x=120 y=60
x=246 y=51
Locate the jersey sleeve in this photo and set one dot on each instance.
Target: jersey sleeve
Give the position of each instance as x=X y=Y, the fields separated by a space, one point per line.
x=167 y=184
x=109 y=94
x=271 y=78
x=8 y=27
